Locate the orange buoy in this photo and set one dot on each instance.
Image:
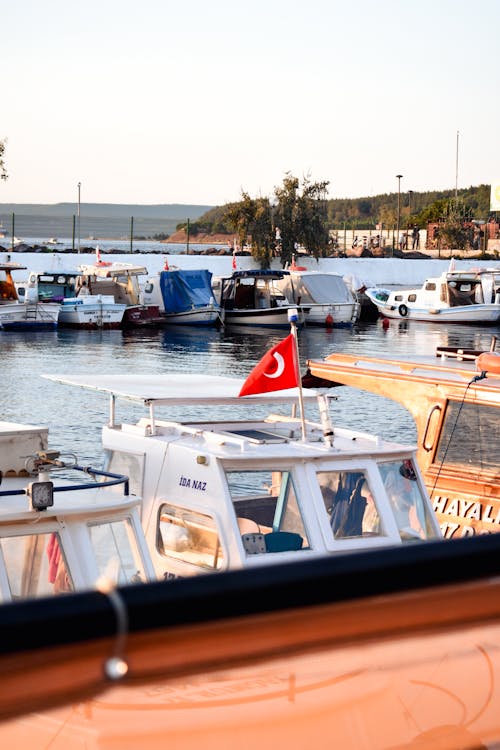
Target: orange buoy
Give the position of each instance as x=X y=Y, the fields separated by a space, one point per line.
x=385 y=323
x=488 y=362
x=329 y=321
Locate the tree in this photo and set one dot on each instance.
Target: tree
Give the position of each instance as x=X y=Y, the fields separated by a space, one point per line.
x=3 y=171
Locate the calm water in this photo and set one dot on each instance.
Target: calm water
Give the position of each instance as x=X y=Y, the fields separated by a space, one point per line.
x=75 y=416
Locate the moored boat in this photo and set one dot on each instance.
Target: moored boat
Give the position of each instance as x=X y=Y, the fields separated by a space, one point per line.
x=257 y=487
x=59 y=533
x=78 y=308
x=465 y=296
x=184 y=297
x=252 y=298
x=455 y=401
x=122 y=282
x=327 y=296
x=23 y=314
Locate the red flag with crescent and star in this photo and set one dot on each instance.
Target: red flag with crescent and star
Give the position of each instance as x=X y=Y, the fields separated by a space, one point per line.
x=277 y=370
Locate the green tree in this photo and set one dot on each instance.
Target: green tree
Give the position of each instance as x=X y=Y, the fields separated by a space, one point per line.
x=3 y=171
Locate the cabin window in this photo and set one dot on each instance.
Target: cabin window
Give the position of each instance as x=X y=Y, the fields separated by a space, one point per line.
x=412 y=515
x=349 y=502
x=189 y=536
x=130 y=465
x=267 y=511
x=34 y=565
x=117 y=554
x=412 y=298
x=430 y=286
x=469 y=437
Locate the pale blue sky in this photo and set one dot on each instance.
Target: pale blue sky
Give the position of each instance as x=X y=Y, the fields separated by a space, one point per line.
x=192 y=101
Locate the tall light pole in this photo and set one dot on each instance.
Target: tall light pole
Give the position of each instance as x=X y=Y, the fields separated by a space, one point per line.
x=78 y=218
x=399 y=205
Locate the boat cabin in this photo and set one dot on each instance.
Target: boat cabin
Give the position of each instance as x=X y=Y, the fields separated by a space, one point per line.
x=121 y=280
x=58 y=533
x=257 y=486
x=8 y=291
x=248 y=290
x=51 y=286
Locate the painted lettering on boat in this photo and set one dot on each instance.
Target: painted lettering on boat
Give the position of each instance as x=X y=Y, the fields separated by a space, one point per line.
x=472 y=517
x=195 y=484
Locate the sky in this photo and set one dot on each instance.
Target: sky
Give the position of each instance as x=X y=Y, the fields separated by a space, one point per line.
x=155 y=101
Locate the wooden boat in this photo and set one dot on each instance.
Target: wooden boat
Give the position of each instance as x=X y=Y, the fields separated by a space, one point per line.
x=254 y=487
x=122 y=282
x=184 y=297
x=252 y=298
x=393 y=648
x=469 y=296
x=23 y=314
x=78 y=308
x=456 y=409
x=59 y=533
x=330 y=301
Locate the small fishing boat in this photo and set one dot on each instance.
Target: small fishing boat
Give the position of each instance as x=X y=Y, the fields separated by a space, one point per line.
x=23 y=314
x=252 y=298
x=78 y=308
x=59 y=533
x=467 y=296
x=184 y=297
x=328 y=298
x=121 y=281
x=256 y=487
x=454 y=398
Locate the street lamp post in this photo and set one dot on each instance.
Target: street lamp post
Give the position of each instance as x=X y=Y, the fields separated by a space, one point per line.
x=78 y=218
x=399 y=205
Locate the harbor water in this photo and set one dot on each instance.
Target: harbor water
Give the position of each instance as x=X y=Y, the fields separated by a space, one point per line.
x=75 y=416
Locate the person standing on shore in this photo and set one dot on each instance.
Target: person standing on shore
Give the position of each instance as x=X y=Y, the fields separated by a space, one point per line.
x=415 y=238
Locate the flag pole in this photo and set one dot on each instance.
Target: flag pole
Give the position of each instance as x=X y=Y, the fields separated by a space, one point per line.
x=293 y=317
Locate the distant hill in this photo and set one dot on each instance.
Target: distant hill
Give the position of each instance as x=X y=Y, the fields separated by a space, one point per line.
x=96 y=219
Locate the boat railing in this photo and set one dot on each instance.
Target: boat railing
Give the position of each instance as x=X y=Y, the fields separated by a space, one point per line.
x=45 y=462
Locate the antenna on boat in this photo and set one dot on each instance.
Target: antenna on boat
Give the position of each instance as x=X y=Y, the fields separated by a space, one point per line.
x=293 y=317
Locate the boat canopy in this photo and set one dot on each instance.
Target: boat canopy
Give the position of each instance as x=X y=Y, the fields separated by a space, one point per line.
x=315 y=287
x=186 y=290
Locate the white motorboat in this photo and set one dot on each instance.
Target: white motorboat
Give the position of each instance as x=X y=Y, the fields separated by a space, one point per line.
x=468 y=296
x=184 y=297
x=78 y=308
x=23 y=314
x=330 y=301
x=252 y=298
x=122 y=282
x=57 y=534
x=256 y=487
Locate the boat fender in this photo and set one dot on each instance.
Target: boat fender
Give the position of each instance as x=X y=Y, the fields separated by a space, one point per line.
x=403 y=311
x=489 y=362
x=329 y=321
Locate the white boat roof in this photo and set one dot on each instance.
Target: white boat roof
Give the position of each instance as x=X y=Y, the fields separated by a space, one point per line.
x=178 y=389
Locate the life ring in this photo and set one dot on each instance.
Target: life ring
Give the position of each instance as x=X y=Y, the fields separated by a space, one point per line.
x=403 y=311
x=488 y=362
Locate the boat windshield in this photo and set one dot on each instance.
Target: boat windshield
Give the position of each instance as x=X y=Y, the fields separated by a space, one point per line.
x=413 y=516
x=350 y=504
x=34 y=566
x=189 y=536
x=267 y=511
x=117 y=553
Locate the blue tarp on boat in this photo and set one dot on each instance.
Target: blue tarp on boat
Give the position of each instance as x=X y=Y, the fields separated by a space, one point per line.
x=185 y=290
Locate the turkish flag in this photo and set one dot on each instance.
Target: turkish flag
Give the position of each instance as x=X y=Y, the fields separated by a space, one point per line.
x=277 y=370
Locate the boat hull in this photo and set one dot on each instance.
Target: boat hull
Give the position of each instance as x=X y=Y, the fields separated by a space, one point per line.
x=274 y=317
x=208 y=316
x=91 y=315
x=333 y=315
x=139 y=316
x=477 y=314
x=29 y=316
